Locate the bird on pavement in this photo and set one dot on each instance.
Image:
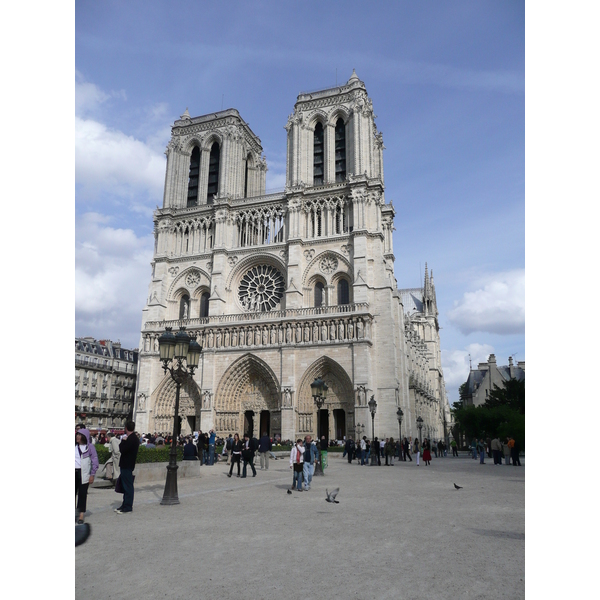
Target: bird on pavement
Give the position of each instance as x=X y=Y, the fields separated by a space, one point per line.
x=331 y=497
x=289 y=492
x=458 y=487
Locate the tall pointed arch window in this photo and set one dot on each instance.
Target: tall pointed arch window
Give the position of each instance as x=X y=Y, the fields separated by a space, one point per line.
x=213 y=172
x=319 y=294
x=192 y=198
x=204 y=305
x=343 y=292
x=340 y=151
x=246 y=176
x=318 y=155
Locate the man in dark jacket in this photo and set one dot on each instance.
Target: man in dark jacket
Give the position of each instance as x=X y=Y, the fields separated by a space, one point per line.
x=129 y=449
x=190 y=452
x=264 y=447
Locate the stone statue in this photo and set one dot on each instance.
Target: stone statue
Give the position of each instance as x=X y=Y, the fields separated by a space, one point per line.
x=315 y=333
x=218 y=342
x=226 y=339
x=210 y=339
x=273 y=334
x=234 y=337
x=341 y=330
x=185 y=310
x=287 y=397
x=359 y=330
x=242 y=337
x=306 y=333
x=350 y=331
x=265 y=336
x=332 y=331
x=324 y=332
x=288 y=334
x=142 y=402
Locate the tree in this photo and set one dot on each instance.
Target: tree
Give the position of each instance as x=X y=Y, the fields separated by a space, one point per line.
x=511 y=395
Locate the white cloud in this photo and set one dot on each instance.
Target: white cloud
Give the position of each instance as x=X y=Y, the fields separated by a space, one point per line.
x=89 y=97
x=111 y=162
x=498 y=306
x=455 y=364
x=112 y=268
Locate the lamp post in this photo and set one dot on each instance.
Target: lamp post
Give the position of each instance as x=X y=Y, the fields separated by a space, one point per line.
x=399 y=415
x=374 y=451
x=420 y=426
x=319 y=389
x=174 y=351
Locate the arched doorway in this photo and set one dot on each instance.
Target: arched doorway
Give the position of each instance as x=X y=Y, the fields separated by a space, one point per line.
x=247 y=399
x=337 y=414
x=164 y=406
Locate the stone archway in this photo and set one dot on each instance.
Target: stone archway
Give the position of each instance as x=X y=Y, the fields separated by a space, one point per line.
x=340 y=397
x=164 y=405
x=247 y=389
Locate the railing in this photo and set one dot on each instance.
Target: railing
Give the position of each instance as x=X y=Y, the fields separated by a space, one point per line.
x=274 y=315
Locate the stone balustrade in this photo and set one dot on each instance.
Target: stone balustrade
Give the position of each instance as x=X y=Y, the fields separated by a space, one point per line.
x=297 y=328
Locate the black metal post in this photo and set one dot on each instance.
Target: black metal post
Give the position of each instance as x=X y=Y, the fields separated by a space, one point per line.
x=170 y=495
x=319 y=466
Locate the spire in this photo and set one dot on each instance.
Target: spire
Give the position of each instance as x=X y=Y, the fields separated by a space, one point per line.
x=185 y=115
x=353 y=77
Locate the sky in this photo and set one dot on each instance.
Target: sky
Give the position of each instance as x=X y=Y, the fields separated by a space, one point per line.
x=447 y=82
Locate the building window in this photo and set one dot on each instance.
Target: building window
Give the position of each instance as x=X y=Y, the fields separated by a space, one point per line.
x=343 y=292
x=340 y=151
x=192 y=198
x=319 y=294
x=204 y=305
x=184 y=307
x=213 y=172
x=318 y=155
x=246 y=177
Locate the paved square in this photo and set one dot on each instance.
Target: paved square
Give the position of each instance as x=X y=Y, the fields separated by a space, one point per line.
x=401 y=532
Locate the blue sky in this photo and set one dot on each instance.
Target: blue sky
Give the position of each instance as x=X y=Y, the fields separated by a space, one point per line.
x=447 y=81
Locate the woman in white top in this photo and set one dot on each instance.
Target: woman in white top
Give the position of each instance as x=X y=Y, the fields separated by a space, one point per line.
x=297 y=463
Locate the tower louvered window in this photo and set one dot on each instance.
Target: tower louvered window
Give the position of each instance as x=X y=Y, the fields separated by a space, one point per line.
x=340 y=151
x=213 y=172
x=192 y=198
x=318 y=155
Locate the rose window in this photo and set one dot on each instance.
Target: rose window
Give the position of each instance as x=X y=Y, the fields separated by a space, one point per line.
x=261 y=289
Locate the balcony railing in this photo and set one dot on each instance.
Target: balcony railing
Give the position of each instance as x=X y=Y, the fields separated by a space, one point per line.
x=274 y=315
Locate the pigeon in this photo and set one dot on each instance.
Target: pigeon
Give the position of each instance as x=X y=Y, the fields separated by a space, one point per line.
x=82 y=533
x=289 y=491
x=331 y=497
x=458 y=487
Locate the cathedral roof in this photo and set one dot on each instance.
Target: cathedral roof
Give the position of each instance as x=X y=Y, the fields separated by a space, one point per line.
x=412 y=299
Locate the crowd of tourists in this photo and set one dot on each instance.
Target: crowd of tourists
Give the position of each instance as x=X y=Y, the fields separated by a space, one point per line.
x=496 y=449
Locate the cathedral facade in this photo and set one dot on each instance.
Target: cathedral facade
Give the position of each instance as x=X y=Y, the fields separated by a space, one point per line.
x=282 y=288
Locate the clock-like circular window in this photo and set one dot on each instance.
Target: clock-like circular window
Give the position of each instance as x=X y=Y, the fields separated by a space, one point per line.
x=261 y=289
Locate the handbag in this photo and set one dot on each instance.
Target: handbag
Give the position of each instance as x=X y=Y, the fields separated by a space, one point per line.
x=119 y=485
x=298 y=467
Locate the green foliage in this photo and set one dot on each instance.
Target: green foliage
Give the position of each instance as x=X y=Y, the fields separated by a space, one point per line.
x=502 y=415
x=511 y=395
x=145 y=455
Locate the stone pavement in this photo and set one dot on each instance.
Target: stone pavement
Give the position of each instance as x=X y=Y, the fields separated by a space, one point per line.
x=400 y=532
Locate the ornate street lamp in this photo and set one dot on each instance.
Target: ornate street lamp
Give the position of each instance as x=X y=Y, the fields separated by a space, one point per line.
x=399 y=415
x=174 y=351
x=420 y=426
x=318 y=390
x=374 y=451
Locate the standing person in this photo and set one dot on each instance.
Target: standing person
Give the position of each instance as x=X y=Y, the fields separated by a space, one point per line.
x=388 y=450
x=376 y=448
x=212 y=436
x=86 y=465
x=129 y=449
x=368 y=450
x=115 y=456
x=228 y=447
x=454 y=446
x=381 y=449
x=488 y=445
x=264 y=448
x=440 y=448
x=516 y=449
x=474 y=448
x=248 y=455
x=506 y=452
x=297 y=464
x=363 y=450
x=481 y=451
x=348 y=449
x=432 y=446
x=310 y=455
x=406 y=449
x=496 y=447
x=417 y=450
x=426 y=451
x=236 y=454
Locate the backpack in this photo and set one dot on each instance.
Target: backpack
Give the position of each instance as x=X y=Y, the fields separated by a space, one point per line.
x=229 y=444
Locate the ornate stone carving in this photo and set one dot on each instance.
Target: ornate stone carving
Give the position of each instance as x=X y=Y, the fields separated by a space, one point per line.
x=232 y=260
x=328 y=265
x=261 y=289
x=174 y=271
x=309 y=253
x=193 y=278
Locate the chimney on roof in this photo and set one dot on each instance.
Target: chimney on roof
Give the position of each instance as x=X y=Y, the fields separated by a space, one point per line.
x=510 y=361
x=492 y=358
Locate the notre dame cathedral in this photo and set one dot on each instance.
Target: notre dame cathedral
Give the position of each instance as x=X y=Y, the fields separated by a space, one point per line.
x=286 y=287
